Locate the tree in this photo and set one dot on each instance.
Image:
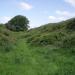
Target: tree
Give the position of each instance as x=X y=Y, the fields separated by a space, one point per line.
x=18 y=23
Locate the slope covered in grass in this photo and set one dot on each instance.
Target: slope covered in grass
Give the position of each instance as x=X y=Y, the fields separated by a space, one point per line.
x=47 y=50
x=60 y=34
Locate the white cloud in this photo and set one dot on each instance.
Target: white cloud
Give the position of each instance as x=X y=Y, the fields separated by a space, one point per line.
x=5 y=19
x=71 y=2
x=53 y=19
x=25 y=6
x=61 y=16
x=63 y=13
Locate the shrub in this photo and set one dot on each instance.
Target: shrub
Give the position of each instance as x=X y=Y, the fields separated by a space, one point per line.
x=69 y=42
x=70 y=24
x=6 y=44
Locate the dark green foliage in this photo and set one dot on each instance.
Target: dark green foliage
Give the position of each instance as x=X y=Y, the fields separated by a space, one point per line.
x=6 y=41
x=69 y=42
x=6 y=44
x=17 y=60
x=70 y=24
x=18 y=23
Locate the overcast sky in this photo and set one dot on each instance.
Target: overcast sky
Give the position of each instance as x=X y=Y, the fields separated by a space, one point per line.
x=39 y=12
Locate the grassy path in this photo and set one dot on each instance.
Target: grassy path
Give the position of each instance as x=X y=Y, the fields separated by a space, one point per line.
x=25 y=60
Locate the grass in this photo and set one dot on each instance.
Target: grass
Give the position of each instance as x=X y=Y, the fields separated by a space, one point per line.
x=36 y=61
x=28 y=60
x=19 y=57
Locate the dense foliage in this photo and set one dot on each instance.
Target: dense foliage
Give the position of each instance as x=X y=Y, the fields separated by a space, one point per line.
x=70 y=24
x=6 y=41
x=18 y=23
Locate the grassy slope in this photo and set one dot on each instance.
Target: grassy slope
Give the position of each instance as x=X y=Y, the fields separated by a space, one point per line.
x=60 y=34
x=25 y=59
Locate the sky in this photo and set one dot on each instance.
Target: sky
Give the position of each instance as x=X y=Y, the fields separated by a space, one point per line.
x=39 y=12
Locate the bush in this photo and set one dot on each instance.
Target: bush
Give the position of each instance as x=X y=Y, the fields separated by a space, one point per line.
x=18 y=23
x=6 y=44
x=69 y=42
x=70 y=24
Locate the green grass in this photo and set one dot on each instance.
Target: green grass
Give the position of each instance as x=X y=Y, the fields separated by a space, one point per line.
x=22 y=53
x=26 y=60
